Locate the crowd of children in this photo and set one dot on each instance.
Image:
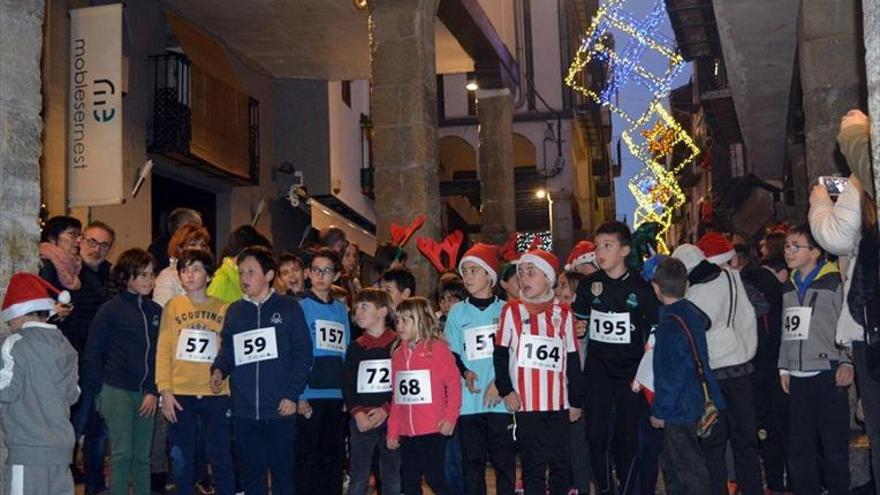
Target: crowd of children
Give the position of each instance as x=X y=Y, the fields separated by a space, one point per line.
x=538 y=372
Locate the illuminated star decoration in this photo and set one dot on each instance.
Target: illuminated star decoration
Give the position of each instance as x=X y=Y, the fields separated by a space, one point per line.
x=653 y=135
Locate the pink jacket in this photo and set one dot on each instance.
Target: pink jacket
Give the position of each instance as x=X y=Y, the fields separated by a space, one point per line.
x=415 y=410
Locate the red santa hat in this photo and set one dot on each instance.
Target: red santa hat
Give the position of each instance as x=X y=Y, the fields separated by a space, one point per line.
x=584 y=252
x=716 y=247
x=28 y=293
x=485 y=256
x=544 y=261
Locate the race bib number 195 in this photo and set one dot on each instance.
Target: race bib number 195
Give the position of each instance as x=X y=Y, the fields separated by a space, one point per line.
x=610 y=328
x=255 y=345
x=413 y=387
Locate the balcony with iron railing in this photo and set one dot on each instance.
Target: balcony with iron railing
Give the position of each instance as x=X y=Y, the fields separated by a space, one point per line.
x=203 y=122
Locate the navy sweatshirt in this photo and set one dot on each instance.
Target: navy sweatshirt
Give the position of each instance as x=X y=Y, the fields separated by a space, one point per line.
x=258 y=387
x=121 y=348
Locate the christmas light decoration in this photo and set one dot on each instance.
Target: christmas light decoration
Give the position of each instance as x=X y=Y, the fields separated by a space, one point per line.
x=652 y=135
x=525 y=240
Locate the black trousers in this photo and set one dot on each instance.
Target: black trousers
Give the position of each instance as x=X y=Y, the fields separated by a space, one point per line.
x=869 y=392
x=265 y=446
x=682 y=461
x=320 y=449
x=819 y=416
x=736 y=424
x=629 y=408
x=771 y=415
x=424 y=455
x=544 y=444
x=483 y=434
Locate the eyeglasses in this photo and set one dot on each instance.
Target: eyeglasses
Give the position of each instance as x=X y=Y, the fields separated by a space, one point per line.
x=322 y=272
x=105 y=246
x=794 y=248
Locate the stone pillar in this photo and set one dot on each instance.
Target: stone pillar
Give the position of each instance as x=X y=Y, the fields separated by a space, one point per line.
x=871 y=28
x=562 y=223
x=403 y=98
x=832 y=76
x=21 y=43
x=497 y=194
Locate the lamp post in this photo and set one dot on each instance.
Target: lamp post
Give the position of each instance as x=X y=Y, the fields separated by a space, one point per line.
x=542 y=194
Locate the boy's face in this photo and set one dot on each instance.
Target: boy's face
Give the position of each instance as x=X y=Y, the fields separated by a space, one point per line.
x=799 y=253
x=254 y=282
x=446 y=302
x=193 y=277
x=367 y=315
x=610 y=253
x=476 y=280
x=511 y=287
x=397 y=295
x=142 y=283
x=292 y=277
x=564 y=291
x=322 y=274
x=532 y=281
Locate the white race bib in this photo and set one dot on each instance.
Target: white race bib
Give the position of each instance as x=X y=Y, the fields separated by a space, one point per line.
x=610 y=328
x=198 y=346
x=543 y=353
x=374 y=376
x=479 y=342
x=255 y=345
x=796 y=324
x=329 y=335
x=413 y=387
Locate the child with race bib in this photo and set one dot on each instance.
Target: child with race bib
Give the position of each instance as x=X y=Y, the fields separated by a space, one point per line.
x=189 y=338
x=813 y=370
x=367 y=391
x=470 y=330
x=620 y=308
x=426 y=397
x=266 y=351
x=320 y=448
x=538 y=374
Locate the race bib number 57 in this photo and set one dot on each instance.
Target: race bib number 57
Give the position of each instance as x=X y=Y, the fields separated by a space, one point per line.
x=255 y=345
x=199 y=346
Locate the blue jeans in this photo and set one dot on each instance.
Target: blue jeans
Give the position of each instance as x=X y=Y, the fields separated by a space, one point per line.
x=265 y=446
x=93 y=449
x=183 y=435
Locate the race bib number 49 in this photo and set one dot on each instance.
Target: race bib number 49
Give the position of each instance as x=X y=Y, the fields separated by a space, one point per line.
x=543 y=353
x=329 y=335
x=413 y=387
x=255 y=345
x=796 y=325
x=479 y=342
x=374 y=376
x=198 y=346
x=610 y=328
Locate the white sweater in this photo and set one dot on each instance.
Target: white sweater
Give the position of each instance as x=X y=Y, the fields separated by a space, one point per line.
x=733 y=336
x=837 y=227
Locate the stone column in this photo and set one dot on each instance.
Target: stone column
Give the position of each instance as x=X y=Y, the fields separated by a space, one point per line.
x=871 y=28
x=497 y=195
x=562 y=223
x=21 y=43
x=832 y=76
x=403 y=98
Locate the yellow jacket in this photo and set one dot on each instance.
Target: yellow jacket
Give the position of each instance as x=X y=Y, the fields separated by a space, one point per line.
x=184 y=350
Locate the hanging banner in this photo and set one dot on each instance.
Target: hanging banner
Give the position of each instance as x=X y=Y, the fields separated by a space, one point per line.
x=94 y=159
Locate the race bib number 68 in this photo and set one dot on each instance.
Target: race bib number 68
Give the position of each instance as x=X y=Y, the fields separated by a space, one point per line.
x=413 y=387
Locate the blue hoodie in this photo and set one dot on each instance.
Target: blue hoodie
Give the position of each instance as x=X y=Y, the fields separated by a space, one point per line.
x=325 y=320
x=121 y=347
x=678 y=393
x=258 y=387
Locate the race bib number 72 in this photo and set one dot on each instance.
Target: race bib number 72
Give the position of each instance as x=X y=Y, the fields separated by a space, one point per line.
x=374 y=376
x=255 y=345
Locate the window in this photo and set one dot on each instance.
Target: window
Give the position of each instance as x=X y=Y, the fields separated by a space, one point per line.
x=346 y=92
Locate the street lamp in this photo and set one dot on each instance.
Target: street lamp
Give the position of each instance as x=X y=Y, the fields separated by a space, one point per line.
x=542 y=194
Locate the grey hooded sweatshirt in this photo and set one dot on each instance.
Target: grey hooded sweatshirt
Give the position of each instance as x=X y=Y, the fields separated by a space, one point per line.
x=38 y=384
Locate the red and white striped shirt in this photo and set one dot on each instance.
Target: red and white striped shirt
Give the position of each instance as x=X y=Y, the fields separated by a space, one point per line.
x=539 y=345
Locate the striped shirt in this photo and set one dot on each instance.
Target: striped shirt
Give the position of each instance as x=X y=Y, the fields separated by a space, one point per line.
x=538 y=347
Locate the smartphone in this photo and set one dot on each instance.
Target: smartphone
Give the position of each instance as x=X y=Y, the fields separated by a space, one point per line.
x=833 y=184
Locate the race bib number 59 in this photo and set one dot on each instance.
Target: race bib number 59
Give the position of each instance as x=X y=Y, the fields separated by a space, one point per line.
x=255 y=345
x=543 y=353
x=413 y=387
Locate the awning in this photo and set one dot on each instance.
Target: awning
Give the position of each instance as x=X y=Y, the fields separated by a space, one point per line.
x=323 y=217
x=204 y=51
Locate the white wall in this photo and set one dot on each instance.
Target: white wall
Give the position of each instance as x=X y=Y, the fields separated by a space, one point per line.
x=346 y=144
x=545 y=52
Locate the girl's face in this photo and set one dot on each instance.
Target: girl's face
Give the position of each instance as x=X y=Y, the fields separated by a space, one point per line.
x=564 y=291
x=406 y=329
x=142 y=283
x=511 y=286
x=350 y=259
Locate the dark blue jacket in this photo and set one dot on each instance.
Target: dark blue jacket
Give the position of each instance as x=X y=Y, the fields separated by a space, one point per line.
x=258 y=387
x=121 y=348
x=678 y=395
